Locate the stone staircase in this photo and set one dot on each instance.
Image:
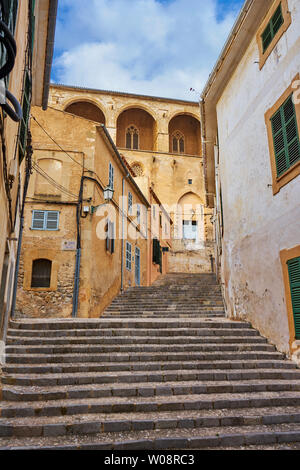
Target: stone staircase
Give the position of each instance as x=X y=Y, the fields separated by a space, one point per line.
x=146 y=376
x=182 y=295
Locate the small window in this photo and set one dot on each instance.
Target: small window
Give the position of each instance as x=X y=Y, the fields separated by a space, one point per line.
x=41 y=273
x=130 y=203
x=110 y=237
x=178 y=142
x=294 y=278
x=111 y=176
x=190 y=181
x=45 y=220
x=132 y=138
x=285 y=136
x=128 y=256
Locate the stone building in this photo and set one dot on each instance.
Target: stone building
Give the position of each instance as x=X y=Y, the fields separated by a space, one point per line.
x=251 y=111
x=161 y=140
x=80 y=249
x=27 y=32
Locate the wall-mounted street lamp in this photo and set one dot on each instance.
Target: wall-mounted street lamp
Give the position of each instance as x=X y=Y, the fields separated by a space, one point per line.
x=108 y=194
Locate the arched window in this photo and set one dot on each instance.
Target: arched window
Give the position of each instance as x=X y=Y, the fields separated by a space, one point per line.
x=137 y=169
x=178 y=142
x=132 y=138
x=41 y=273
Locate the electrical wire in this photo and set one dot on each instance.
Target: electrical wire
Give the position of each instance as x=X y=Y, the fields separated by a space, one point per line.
x=51 y=181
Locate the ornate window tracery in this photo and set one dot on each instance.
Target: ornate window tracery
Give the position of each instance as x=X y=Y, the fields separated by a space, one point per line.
x=132 y=138
x=178 y=144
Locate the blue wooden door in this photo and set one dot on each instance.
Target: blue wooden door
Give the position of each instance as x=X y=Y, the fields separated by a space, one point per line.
x=137 y=266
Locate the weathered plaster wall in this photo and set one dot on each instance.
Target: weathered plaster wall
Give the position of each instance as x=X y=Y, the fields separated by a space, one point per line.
x=257 y=225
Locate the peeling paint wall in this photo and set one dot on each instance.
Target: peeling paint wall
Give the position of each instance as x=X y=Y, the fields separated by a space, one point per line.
x=257 y=224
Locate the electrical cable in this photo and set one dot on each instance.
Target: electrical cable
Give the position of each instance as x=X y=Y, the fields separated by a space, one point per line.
x=51 y=181
x=61 y=148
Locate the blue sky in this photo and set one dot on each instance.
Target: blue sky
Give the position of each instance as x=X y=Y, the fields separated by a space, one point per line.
x=152 y=47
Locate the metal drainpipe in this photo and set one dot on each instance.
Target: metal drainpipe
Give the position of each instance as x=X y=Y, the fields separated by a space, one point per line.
x=76 y=283
x=78 y=253
x=122 y=245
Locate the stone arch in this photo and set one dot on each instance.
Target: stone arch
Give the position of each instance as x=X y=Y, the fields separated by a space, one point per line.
x=187 y=125
x=192 y=202
x=86 y=109
x=143 y=121
x=141 y=106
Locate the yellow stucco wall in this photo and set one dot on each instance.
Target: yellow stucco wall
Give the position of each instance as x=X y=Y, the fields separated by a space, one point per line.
x=83 y=142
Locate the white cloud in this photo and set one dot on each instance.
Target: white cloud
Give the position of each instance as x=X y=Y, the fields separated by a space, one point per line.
x=139 y=46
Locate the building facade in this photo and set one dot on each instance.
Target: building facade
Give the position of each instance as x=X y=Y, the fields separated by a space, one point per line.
x=251 y=106
x=81 y=249
x=27 y=28
x=161 y=140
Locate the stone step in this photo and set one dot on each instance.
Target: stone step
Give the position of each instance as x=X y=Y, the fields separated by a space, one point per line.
x=138 y=357
x=136 y=348
x=183 y=299
x=23 y=412
x=180 y=311
x=272 y=436
x=134 y=323
x=135 y=332
x=255 y=366
x=94 y=424
x=53 y=403
x=103 y=340
x=91 y=389
x=163 y=315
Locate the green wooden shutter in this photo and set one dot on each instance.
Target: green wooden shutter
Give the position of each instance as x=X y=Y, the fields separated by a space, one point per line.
x=267 y=37
x=294 y=275
x=285 y=136
x=272 y=28
x=277 y=20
